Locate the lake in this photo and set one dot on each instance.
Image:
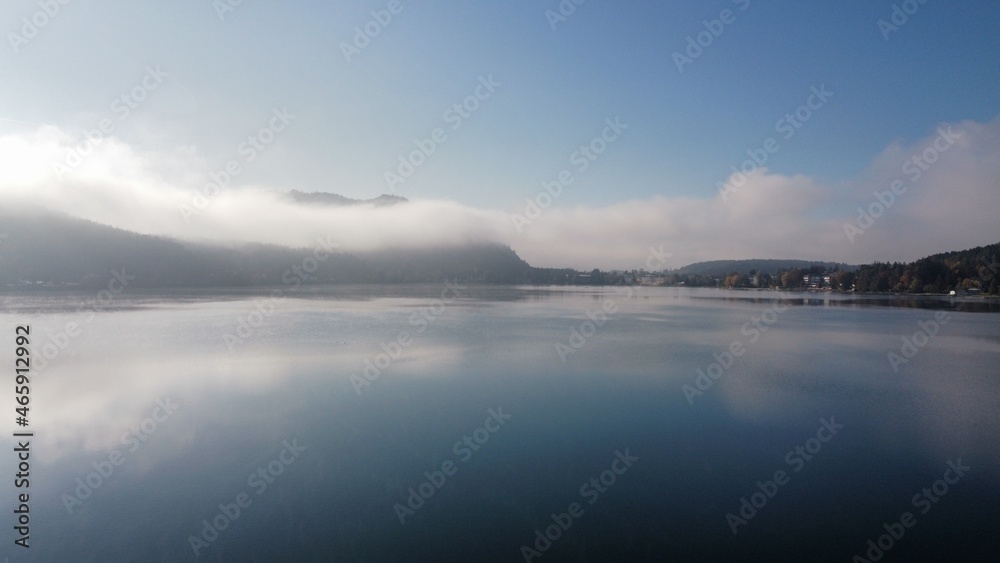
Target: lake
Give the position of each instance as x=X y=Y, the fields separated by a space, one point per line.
x=471 y=423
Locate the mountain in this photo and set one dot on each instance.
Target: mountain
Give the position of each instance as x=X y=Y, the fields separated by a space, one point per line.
x=44 y=249
x=52 y=250
x=325 y=198
x=719 y=268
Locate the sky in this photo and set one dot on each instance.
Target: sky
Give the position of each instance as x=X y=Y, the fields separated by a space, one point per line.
x=637 y=117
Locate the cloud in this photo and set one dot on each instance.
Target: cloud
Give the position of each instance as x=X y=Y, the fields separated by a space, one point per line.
x=951 y=204
x=171 y=194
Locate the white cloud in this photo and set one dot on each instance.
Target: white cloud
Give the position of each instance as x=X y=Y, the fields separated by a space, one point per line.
x=952 y=206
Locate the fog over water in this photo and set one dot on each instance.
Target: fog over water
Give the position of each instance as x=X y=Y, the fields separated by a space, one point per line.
x=167 y=193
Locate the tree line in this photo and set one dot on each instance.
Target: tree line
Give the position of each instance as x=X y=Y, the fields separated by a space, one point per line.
x=976 y=270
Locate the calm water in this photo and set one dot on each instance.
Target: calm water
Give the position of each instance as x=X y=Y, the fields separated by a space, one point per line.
x=338 y=453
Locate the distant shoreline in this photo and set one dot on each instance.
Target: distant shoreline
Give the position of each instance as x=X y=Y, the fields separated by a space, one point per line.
x=305 y=289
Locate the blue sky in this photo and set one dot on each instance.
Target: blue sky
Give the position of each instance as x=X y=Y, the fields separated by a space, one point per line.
x=354 y=119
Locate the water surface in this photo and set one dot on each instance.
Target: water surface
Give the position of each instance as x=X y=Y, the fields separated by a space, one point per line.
x=581 y=377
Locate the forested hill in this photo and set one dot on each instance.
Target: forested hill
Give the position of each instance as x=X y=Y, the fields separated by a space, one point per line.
x=976 y=269
x=720 y=268
x=47 y=250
